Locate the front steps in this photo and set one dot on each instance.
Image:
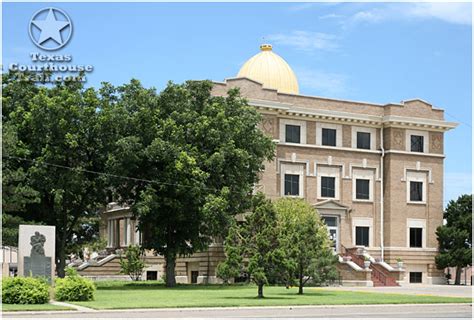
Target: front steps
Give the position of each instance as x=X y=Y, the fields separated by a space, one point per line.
x=377 y=274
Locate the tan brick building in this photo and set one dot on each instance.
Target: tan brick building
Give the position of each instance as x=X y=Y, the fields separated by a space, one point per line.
x=374 y=172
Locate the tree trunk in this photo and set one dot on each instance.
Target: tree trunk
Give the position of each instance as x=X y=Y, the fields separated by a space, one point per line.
x=170 y=265
x=61 y=257
x=458 y=275
x=260 y=291
x=301 y=284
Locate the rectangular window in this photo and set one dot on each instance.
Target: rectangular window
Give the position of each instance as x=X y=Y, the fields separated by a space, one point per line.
x=292 y=184
x=416 y=237
x=362 y=189
x=416 y=277
x=328 y=187
x=363 y=140
x=416 y=191
x=329 y=137
x=416 y=143
x=362 y=236
x=292 y=133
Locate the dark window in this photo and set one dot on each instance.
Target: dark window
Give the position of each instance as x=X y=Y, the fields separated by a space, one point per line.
x=416 y=191
x=362 y=236
x=292 y=184
x=362 y=189
x=328 y=187
x=416 y=236
x=363 y=140
x=416 y=143
x=292 y=133
x=152 y=275
x=329 y=137
x=415 y=277
x=194 y=276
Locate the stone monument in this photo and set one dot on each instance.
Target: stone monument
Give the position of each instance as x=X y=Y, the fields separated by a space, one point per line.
x=36 y=251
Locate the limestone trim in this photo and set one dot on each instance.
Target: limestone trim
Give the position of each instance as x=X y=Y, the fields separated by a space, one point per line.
x=300 y=123
x=279 y=142
x=404 y=122
x=416 y=176
x=411 y=249
x=354 y=132
x=296 y=169
x=354 y=118
x=419 y=169
x=416 y=223
x=363 y=222
x=424 y=134
x=281 y=161
x=366 y=174
x=364 y=165
x=418 y=154
x=325 y=125
x=333 y=171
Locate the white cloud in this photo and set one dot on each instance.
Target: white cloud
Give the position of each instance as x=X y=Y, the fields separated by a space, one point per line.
x=372 y=16
x=305 y=40
x=331 y=16
x=456 y=12
x=321 y=82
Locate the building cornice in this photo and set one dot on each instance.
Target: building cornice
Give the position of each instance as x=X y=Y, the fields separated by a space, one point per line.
x=292 y=111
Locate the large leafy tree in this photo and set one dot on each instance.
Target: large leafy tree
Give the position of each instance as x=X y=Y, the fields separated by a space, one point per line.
x=57 y=148
x=305 y=240
x=194 y=159
x=455 y=237
x=256 y=240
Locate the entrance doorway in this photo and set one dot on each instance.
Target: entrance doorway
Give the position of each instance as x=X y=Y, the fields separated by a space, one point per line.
x=194 y=276
x=333 y=230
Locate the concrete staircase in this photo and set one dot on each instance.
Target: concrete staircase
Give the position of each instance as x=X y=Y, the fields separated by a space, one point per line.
x=382 y=274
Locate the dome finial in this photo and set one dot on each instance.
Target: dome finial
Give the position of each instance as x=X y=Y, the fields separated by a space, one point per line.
x=266 y=47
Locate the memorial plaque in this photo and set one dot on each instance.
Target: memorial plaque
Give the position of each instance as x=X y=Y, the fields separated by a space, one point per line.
x=37 y=264
x=36 y=251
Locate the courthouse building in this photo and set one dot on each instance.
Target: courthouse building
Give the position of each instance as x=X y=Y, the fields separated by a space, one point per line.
x=373 y=171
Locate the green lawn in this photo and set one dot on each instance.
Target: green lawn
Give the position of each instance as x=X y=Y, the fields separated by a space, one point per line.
x=122 y=295
x=32 y=307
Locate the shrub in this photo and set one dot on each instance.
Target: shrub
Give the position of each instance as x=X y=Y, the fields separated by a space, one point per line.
x=74 y=287
x=133 y=264
x=25 y=290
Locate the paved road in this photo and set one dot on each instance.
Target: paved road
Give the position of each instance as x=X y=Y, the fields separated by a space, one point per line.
x=439 y=311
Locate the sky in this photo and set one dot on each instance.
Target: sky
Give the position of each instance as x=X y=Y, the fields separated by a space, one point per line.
x=373 y=52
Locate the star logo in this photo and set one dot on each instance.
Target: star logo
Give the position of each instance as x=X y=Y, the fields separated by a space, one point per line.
x=50 y=28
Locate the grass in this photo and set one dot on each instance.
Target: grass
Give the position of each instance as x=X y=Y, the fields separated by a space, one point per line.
x=125 y=295
x=32 y=307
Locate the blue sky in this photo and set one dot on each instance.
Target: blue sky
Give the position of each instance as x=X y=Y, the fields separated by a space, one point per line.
x=380 y=52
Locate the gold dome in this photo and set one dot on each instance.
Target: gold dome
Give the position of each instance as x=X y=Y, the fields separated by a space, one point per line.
x=271 y=70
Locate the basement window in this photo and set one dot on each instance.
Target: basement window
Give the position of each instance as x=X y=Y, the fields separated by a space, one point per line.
x=416 y=277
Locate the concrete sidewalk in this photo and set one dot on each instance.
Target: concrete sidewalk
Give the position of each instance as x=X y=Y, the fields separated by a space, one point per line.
x=434 y=290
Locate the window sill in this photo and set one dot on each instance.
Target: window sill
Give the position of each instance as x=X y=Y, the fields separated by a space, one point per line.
x=423 y=203
x=324 y=198
x=363 y=200
x=289 y=196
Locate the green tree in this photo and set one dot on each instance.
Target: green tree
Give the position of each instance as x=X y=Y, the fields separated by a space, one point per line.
x=194 y=158
x=455 y=237
x=232 y=266
x=133 y=263
x=60 y=145
x=304 y=238
x=256 y=240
